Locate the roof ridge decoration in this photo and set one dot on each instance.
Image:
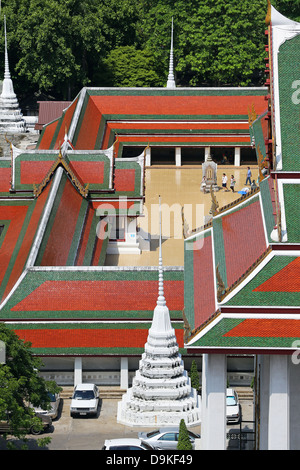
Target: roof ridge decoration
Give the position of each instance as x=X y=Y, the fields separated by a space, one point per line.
x=231 y=205
x=222 y=294
x=261 y=164
x=268 y=16
x=61 y=161
x=221 y=289
x=203 y=325
x=214 y=209
x=252 y=115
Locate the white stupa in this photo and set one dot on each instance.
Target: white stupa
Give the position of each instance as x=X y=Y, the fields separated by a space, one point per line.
x=11 y=118
x=161 y=393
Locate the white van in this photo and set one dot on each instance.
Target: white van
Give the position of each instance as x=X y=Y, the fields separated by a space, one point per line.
x=85 y=400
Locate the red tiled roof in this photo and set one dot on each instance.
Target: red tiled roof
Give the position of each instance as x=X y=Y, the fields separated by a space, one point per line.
x=98 y=295
x=61 y=235
x=204 y=291
x=270 y=328
x=286 y=280
x=244 y=239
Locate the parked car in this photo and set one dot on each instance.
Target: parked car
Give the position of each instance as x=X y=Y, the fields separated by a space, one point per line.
x=126 y=444
x=166 y=438
x=54 y=402
x=233 y=412
x=46 y=421
x=85 y=400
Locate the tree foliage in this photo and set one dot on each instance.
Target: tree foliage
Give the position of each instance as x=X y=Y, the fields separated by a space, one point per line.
x=20 y=385
x=184 y=442
x=58 y=46
x=195 y=382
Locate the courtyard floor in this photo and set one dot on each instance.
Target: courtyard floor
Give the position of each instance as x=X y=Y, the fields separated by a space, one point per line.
x=178 y=187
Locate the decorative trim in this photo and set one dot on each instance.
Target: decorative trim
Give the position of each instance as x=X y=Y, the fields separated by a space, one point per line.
x=60 y=161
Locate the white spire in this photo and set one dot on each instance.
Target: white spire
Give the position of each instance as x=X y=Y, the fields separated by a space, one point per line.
x=171 y=79
x=6 y=71
x=161 y=301
x=161 y=392
x=11 y=118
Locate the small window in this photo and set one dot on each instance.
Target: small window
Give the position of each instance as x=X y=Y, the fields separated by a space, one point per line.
x=169 y=436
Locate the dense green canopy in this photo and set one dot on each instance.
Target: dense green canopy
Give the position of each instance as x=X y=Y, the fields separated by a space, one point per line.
x=58 y=46
x=21 y=385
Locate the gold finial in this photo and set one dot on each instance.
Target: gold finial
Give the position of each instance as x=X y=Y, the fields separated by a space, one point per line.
x=220 y=284
x=261 y=163
x=214 y=203
x=148 y=146
x=117 y=140
x=268 y=17
x=185 y=227
x=252 y=116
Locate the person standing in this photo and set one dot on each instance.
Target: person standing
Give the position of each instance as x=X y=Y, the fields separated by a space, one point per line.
x=249 y=174
x=232 y=183
x=224 y=182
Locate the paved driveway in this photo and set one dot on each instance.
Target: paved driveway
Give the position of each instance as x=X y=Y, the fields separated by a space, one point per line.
x=90 y=433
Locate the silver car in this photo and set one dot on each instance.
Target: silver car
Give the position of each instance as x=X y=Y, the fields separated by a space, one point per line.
x=54 y=403
x=166 y=438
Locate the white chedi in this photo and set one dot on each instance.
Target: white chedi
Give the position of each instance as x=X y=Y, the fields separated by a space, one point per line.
x=11 y=118
x=161 y=393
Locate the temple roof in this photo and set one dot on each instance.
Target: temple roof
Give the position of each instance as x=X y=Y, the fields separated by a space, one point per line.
x=97 y=173
x=96 y=305
x=234 y=241
x=256 y=303
x=155 y=116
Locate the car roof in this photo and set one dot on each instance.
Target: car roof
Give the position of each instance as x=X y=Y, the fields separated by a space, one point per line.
x=169 y=428
x=85 y=386
x=229 y=391
x=127 y=441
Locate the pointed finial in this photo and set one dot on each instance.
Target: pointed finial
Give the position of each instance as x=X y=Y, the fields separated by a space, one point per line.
x=268 y=16
x=161 y=297
x=171 y=79
x=6 y=70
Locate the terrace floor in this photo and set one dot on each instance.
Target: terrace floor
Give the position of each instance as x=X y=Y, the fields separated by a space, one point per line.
x=177 y=187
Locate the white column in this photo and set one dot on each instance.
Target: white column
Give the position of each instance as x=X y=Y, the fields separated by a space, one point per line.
x=237 y=156
x=279 y=403
x=148 y=156
x=178 y=156
x=263 y=373
x=77 y=370
x=124 y=373
x=206 y=153
x=214 y=379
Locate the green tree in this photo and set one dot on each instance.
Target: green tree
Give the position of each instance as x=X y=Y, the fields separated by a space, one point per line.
x=184 y=442
x=58 y=45
x=195 y=382
x=128 y=67
x=216 y=42
x=20 y=385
